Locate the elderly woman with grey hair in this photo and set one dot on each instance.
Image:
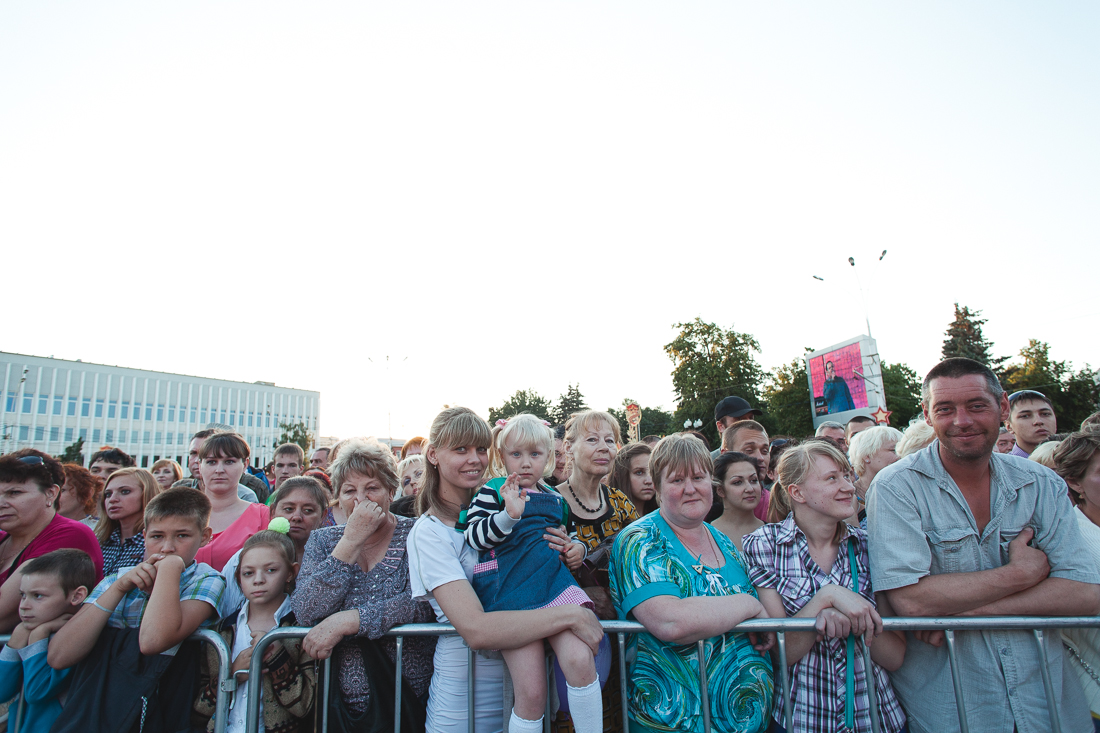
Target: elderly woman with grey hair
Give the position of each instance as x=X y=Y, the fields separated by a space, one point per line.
x=871 y=451
x=354 y=582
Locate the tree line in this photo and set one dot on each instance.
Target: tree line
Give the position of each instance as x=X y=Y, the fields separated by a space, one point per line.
x=711 y=362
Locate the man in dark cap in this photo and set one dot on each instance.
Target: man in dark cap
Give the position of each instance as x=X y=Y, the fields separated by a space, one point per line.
x=727 y=412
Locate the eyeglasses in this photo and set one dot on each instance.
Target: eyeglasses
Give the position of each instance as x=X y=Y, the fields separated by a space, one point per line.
x=32 y=460
x=1026 y=394
x=779 y=442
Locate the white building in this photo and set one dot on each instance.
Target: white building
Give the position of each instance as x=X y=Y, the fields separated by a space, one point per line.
x=50 y=403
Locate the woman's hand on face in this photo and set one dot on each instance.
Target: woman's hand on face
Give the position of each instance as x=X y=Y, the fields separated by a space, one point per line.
x=364 y=521
x=865 y=620
x=515 y=498
x=323 y=638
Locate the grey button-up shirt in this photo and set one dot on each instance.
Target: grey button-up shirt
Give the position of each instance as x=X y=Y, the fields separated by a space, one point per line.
x=919 y=524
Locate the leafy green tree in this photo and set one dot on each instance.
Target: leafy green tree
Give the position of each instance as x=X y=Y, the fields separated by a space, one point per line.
x=902 y=387
x=73 y=453
x=524 y=400
x=655 y=421
x=569 y=404
x=295 y=433
x=1074 y=394
x=711 y=363
x=965 y=338
x=787 y=395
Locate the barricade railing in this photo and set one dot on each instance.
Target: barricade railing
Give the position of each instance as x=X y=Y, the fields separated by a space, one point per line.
x=620 y=629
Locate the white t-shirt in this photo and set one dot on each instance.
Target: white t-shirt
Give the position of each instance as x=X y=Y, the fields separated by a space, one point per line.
x=437 y=555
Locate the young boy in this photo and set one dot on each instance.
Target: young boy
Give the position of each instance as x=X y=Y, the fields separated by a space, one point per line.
x=51 y=590
x=167 y=597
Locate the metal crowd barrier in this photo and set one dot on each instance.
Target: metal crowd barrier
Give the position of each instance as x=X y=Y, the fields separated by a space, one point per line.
x=620 y=629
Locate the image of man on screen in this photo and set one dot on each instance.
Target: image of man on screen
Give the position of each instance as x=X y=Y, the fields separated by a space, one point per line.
x=837 y=396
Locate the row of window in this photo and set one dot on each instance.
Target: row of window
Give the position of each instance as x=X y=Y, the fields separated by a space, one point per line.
x=124 y=410
x=106 y=436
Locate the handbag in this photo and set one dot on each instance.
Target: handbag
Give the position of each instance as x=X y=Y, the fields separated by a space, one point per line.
x=378 y=718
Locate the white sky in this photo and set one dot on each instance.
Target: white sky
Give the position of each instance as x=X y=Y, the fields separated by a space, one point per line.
x=522 y=195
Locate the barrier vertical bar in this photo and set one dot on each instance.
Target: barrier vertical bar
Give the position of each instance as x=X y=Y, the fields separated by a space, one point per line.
x=227 y=683
x=785 y=677
x=956 y=680
x=622 y=682
x=397 y=689
x=1055 y=722
x=872 y=690
x=18 y=712
x=703 y=684
x=470 y=690
x=546 y=712
x=327 y=692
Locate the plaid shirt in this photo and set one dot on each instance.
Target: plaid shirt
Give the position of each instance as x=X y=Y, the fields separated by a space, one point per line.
x=120 y=553
x=198 y=582
x=779 y=558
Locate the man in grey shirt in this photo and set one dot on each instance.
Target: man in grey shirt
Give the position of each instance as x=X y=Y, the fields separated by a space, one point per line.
x=958 y=530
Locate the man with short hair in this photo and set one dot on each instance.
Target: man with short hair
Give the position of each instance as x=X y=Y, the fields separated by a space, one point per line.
x=319 y=459
x=289 y=458
x=1005 y=441
x=107 y=460
x=951 y=529
x=1031 y=419
x=194 y=461
x=730 y=410
x=833 y=431
x=857 y=424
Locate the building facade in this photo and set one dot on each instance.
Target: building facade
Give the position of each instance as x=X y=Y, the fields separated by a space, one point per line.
x=49 y=404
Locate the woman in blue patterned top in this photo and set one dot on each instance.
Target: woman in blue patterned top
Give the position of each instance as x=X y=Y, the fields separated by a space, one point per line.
x=684 y=581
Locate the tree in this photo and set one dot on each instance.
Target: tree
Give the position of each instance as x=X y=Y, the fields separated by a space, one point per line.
x=73 y=453
x=568 y=405
x=787 y=395
x=712 y=363
x=1074 y=395
x=295 y=433
x=902 y=387
x=964 y=338
x=655 y=421
x=523 y=400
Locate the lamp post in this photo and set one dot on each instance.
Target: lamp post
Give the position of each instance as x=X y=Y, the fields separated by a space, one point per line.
x=862 y=299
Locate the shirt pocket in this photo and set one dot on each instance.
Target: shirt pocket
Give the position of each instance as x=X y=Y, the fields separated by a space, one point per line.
x=1006 y=537
x=796 y=592
x=954 y=550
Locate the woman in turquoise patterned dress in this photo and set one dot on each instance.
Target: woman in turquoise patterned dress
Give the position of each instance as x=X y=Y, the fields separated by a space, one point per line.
x=685 y=581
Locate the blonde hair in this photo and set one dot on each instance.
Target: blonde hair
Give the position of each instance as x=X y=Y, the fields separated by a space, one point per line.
x=367 y=458
x=404 y=464
x=1044 y=453
x=918 y=435
x=866 y=443
x=454 y=427
x=678 y=452
x=794 y=469
x=149 y=489
x=521 y=431
x=582 y=422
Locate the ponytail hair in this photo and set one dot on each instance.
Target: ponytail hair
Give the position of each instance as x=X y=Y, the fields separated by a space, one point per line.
x=523 y=431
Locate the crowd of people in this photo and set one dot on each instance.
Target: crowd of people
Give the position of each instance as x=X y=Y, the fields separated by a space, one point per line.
x=524 y=535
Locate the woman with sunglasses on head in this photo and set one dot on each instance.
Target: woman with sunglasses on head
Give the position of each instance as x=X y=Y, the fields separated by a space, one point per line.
x=30 y=524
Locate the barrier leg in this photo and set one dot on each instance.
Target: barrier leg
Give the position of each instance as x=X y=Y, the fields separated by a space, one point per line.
x=622 y=682
x=785 y=678
x=703 y=685
x=1052 y=704
x=872 y=690
x=956 y=680
x=470 y=690
x=18 y=713
x=546 y=713
x=325 y=696
x=397 y=689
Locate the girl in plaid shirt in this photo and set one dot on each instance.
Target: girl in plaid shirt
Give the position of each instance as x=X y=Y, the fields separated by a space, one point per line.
x=803 y=567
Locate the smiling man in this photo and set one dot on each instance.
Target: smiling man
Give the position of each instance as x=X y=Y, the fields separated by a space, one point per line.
x=956 y=529
x=1031 y=417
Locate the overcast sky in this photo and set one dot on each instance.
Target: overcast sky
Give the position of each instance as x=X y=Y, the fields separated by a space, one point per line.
x=521 y=195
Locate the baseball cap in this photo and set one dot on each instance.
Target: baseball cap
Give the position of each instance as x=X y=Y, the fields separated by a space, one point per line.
x=733 y=407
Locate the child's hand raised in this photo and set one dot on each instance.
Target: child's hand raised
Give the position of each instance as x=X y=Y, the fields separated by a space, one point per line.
x=515 y=498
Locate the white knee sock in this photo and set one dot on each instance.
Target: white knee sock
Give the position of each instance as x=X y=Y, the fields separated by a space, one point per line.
x=517 y=724
x=586 y=708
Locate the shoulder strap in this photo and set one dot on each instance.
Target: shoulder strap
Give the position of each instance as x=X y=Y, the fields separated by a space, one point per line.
x=849 y=650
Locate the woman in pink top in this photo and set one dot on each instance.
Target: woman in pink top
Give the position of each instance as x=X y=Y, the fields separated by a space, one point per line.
x=30 y=525
x=224 y=457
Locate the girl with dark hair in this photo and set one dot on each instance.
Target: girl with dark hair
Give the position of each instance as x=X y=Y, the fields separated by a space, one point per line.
x=737 y=488
x=630 y=474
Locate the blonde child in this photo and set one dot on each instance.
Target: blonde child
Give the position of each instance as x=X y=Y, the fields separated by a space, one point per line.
x=266 y=571
x=510 y=522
